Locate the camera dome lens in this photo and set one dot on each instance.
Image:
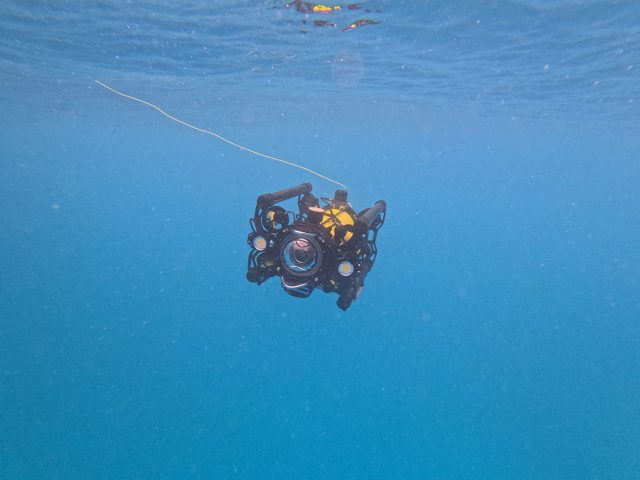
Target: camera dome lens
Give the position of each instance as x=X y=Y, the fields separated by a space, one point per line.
x=302 y=251
x=301 y=255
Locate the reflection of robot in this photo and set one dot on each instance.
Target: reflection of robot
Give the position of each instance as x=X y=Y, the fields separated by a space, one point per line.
x=330 y=246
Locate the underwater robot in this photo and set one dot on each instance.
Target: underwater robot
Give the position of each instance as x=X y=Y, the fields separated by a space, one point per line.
x=328 y=246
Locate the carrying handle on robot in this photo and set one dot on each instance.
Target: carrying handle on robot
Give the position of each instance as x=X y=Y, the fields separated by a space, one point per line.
x=367 y=218
x=268 y=199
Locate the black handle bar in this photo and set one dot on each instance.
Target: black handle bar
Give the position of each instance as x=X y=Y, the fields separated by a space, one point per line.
x=268 y=199
x=365 y=220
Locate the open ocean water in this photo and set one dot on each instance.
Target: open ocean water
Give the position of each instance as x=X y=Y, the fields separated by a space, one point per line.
x=498 y=336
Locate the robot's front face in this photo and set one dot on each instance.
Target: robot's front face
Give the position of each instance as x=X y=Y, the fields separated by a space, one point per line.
x=328 y=247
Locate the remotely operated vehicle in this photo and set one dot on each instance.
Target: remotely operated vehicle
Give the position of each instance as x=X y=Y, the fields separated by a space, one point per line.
x=328 y=246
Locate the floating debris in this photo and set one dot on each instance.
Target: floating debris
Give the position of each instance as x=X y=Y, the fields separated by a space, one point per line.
x=309 y=8
x=323 y=23
x=360 y=23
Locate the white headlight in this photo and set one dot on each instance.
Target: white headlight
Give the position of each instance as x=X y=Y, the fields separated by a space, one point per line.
x=259 y=243
x=345 y=268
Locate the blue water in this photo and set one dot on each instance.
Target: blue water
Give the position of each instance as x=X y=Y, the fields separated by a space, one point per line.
x=498 y=336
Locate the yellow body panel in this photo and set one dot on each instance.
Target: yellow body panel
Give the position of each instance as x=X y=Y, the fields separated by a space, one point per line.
x=333 y=217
